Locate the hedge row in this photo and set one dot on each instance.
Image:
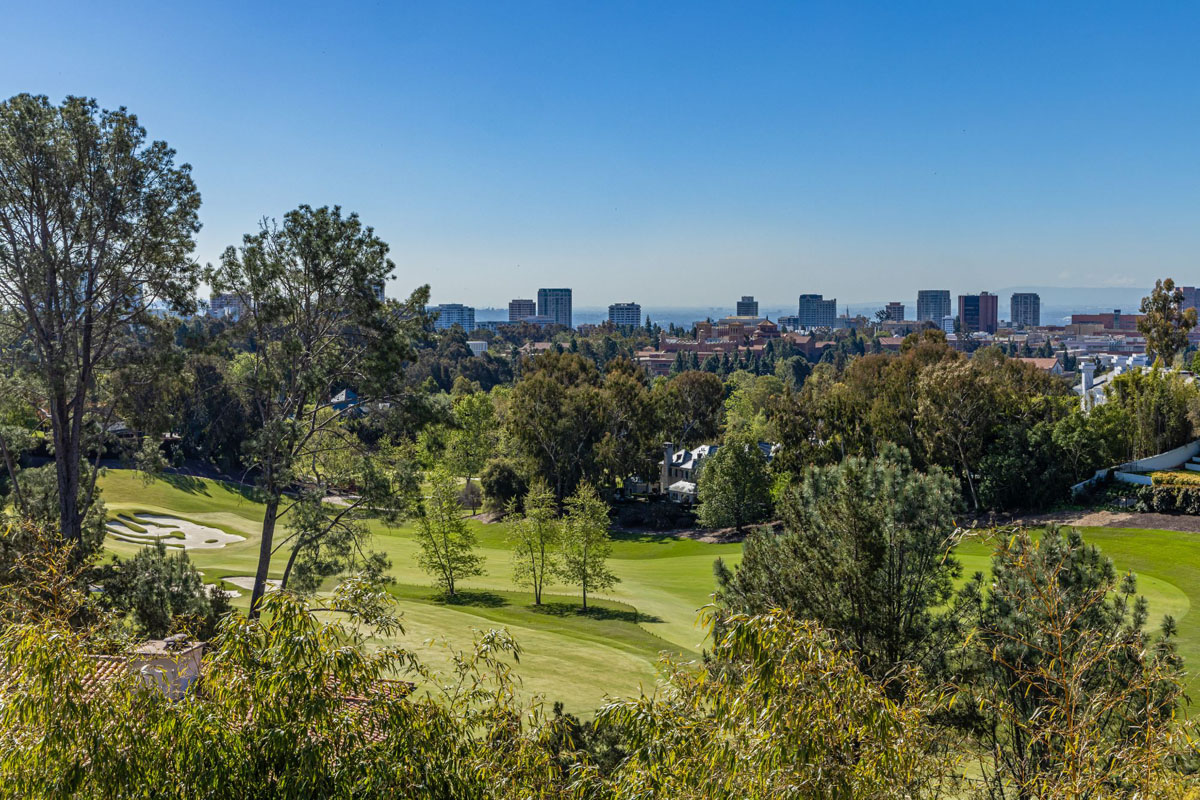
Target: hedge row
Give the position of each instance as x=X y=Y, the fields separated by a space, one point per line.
x=1134 y=497
x=1167 y=499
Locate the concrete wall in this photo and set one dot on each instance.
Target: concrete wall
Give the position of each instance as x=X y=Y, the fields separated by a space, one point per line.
x=1129 y=477
x=1171 y=459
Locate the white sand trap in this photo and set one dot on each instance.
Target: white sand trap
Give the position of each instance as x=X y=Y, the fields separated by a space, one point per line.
x=175 y=532
x=247 y=582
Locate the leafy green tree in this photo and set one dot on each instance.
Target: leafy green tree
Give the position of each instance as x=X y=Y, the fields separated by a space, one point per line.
x=793 y=371
x=779 y=711
x=957 y=408
x=308 y=287
x=213 y=415
x=750 y=399
x=690 y=406
x=734 y=487
x=502 y=484
x=96 y=227
x=555 y=418
x=585 y=548
x=867 y=550
x=1162 y=409
x=473 y=439
x=296 y=704
x=447 y=544
x=1059 y=678
x=1092 y=440
x=1165 y=322
x=629 y=444
x=534 y=535
x=161 y=592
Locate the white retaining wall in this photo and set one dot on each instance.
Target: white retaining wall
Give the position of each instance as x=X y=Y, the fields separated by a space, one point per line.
x=1172 y=459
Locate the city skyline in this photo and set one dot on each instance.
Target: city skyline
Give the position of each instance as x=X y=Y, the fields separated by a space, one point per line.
x=694 y=153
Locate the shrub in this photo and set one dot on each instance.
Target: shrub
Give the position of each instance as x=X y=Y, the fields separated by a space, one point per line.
x=1175 y=477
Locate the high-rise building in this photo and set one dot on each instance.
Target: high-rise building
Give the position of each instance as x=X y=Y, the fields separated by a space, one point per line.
x=933 y=304
x=226 y=305
x=377 y=290
x=816 y=312
x=1025 y=309
x=978 y=312
x=451 y=314
x=626 y=315
x=556 y=304
x=1190 y=297
x=947 y=323
x=788 y=322
x=747 y=306
x=520 y=309
x=895 y=311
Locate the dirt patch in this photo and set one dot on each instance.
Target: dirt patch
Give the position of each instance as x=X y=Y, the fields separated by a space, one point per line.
x=1184 y=523
x=706 y=535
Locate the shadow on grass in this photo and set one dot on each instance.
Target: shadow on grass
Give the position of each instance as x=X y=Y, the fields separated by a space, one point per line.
x=643 y=537
x=184 y=483
x=469 y=598
x=194 y=485
x=595 y=612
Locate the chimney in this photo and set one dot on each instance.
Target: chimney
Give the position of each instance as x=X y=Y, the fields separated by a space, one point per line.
x=664 y=476
x=171 y=665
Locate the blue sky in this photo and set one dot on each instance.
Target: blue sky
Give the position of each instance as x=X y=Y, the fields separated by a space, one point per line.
x=673 y=154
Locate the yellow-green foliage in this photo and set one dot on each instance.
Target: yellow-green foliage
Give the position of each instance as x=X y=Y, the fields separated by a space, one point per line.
x=1175 y=477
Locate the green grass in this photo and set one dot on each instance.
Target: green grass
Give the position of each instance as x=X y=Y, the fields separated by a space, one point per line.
x=1167 y=565
x=613 y=650
x=568 y=655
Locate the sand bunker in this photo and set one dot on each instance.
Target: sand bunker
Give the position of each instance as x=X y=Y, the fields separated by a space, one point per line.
x=247 y=582
x=172 y=531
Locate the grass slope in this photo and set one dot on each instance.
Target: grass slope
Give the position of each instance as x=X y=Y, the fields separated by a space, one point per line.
x=578 y=658
x=664 y=584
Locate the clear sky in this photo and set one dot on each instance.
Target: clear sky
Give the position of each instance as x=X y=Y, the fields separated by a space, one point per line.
x=673 y=154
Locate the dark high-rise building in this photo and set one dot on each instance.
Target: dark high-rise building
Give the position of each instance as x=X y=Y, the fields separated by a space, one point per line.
x=520 y=309
x=1025 y=309
x=625 y=315
x=555 y=304
x=747 y=306
x=978 y=313
x=895 y=311
x=933 y=304
x=817 y=312
x=1191 y=298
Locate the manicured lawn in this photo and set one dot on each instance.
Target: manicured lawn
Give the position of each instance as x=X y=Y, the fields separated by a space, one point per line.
x=568 y=655
x=613 y=649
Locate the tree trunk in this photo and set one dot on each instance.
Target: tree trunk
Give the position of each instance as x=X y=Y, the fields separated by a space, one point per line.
x=287 y=571
x=66 y=464
x=264 y=555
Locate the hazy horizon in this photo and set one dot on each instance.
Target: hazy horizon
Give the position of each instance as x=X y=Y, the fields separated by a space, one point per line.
x=671 y=153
